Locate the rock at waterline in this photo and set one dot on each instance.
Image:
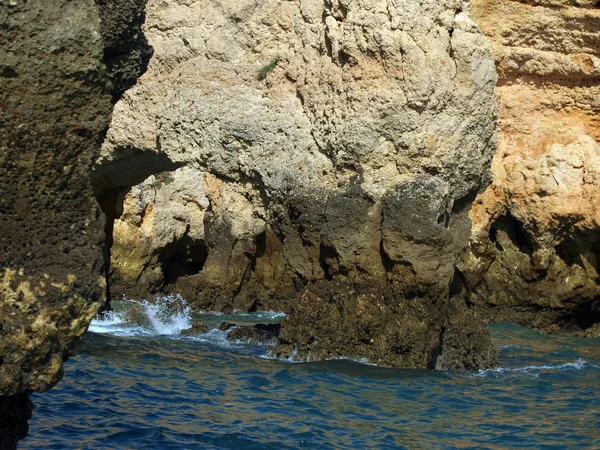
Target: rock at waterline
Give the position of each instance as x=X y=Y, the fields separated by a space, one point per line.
x=198 y=327
x=259 y=334
x=137 y=315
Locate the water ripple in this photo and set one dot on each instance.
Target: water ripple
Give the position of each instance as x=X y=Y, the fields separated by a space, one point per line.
x=167 y=393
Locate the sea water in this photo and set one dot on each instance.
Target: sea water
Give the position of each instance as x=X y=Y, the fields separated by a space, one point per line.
x=133 y=387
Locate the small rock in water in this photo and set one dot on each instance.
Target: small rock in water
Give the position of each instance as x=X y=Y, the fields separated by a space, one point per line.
x=169 y=307
x=198 y=327
x=260 y=334
x=137 y=315
x=224 y=326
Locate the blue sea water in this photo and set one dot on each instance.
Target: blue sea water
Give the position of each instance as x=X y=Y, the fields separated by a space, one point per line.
x=149 y=387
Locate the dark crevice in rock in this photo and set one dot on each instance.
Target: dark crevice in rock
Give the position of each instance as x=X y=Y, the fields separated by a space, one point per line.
x=464 y=203
x=513 y=229
x=126 y=49
x=587 y=315
x=457 y=285
x=437 y=352
x=327 y=256
x=108 y=203
x=568 y=254
x=386 y=261
x=184 y=256
x=15 y=412
x=344 y=58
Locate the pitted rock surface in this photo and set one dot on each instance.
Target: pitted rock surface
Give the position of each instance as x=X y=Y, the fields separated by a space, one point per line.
x=54 y=110
x=335 y=141
x=535 y=248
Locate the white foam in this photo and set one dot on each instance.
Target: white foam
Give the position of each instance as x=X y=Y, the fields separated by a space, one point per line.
x=213 y=336
x=578 y=364
x=363 y=361
x=261 y=315
x=168 y=324
x=161 y=319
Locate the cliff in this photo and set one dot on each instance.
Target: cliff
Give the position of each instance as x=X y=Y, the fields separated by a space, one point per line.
x=55 y=107
x=533 y=257
x=53 y=112
x=282 y=155
x=327 y=158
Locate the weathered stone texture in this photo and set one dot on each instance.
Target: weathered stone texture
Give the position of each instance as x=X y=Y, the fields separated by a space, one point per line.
x=54 y=110
x=534 y=253
x=126 y=50
x=334 y=140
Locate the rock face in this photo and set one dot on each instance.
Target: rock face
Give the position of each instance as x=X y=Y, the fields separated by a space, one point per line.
x=304 y=143
x=534 y=255
x=160 y=233
x=54 y=110
x=55 y=107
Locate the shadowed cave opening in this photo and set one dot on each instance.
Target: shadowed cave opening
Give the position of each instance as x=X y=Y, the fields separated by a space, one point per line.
x=184 y=256
x=583 y=318
x=513 y=229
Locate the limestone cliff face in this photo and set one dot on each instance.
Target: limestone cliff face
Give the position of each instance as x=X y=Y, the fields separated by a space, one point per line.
x=533 y=258
x=304 y=143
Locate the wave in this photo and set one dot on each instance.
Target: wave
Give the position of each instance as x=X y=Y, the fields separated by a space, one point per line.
x=168 y=316
x=578 y=364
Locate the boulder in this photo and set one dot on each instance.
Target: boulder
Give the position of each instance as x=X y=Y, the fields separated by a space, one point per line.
x=197 y=327
x=333 y=143
x=259 y=334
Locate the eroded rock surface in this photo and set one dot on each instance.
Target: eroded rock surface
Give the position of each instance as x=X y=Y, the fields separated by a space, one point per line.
x=159 y=236
x=55 y=107
x=54 y=110
x=533 y=258
x=335 y=142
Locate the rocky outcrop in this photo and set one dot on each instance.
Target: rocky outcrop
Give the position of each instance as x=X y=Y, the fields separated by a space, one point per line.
x=197 y=328
x=159 y=236
x=533 y=258
x=371 y=323
x=323 y=142
x=55 y=107
x=54 y=110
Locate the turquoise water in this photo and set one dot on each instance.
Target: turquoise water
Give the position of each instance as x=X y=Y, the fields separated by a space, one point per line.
x=132 y=388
